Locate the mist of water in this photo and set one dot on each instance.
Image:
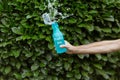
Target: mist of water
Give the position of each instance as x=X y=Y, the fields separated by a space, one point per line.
x=53 y=12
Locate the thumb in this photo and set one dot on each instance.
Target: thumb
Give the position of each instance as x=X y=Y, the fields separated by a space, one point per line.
x=63 y=46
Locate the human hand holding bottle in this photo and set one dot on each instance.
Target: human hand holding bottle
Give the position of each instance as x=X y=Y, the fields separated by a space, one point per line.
x=70 y=48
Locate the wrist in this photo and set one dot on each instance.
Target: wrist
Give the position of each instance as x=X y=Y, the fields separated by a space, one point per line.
x=74 y=49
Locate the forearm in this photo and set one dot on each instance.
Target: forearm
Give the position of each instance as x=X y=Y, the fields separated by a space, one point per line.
x=101 y=43
x=99 y=47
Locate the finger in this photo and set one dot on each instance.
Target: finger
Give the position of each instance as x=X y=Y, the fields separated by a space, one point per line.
x=66 y=42
x=63 y=46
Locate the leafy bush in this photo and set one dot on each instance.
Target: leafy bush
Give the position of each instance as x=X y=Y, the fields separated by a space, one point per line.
x=27 y=50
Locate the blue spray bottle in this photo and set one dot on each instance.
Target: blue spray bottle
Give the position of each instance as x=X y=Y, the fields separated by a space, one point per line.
x=58 y=38
x=57 y=34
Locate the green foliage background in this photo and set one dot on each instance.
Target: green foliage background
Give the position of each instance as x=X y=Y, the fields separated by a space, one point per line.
x=26 y=47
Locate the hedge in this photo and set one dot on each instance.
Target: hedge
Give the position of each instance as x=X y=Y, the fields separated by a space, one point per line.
x=26 y=46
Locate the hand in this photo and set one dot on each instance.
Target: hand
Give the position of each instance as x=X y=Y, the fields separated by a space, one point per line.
x=70 y=48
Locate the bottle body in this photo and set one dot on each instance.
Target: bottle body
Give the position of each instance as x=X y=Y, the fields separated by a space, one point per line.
x=58 y=38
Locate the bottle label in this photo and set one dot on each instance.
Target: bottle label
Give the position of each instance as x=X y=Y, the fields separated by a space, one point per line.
x=59 y=41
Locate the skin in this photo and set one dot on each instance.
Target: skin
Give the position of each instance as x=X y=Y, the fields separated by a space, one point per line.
x=93 y=48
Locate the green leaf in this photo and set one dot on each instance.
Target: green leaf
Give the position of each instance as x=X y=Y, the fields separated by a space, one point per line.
x=78 y=76
x=59 y=64
x=85 y=74
x=104 y=58
x=42 y=7
x=41 y=77
x=41 y=36
x=24 y=37
x=16 y=53
x=55 y=78
x=66 y=65
x=103 y=73
x=36 y=73
x=111 y=18
x=99 y=66
x=93 y=12
x=26 y=73
x=89 y=27
x=43 y=63
x=81 y=56
x=49 y=57
x=3 y=44
x=28 y=54
x=117 y=30
x=118 y=23
x=1 y=7
x=18 y=65
x=3 y=21
x=98 y=56
x=49 y=78
x=19 y=38
x=48 y=39
x=34 y=67
x=28 y=16
x=1 y=26
x=16 y=30
x=44 y=71
x=69 y=75
x=40 y=24
x=50 y=46
x=34 y=37
x=113 y=60
x=2 y=69
x=89 y=18
x=7 y=69
x=86 y=67
x=72 y=20
x=18 y=76
x=107 y=30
